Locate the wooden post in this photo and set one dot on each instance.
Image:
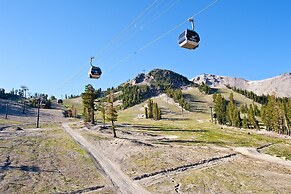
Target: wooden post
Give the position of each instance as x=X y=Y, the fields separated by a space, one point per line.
x=23 y=111
x=6 y=114
x=37 y=120
x=211 y=114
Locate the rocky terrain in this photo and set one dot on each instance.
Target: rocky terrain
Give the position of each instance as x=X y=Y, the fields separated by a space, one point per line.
x=158 y=77
x=279 y=85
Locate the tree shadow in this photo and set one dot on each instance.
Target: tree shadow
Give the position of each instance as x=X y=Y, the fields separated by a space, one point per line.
x=18 y=111
x=25 y=168
x=176 y=119
x=157 y=128
x=191 y=141
x=2 y=128
x=137 y=142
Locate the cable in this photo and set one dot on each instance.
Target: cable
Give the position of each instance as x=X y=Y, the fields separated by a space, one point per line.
x=117 y=41
x=125 y=29
x=77 y=74
x=169 y=6
x=73 y=77
x=163 y=35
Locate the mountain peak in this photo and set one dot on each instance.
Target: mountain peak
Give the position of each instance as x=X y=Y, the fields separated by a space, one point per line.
x=161 y=77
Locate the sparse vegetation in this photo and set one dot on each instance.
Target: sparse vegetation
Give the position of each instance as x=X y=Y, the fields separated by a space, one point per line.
x=111 y=113
x=177 y=95
x=179 y=139
x=204 y=88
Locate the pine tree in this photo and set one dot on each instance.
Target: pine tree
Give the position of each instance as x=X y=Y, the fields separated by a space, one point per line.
x=155 y=111
x=111 y=113
x=288 y=116
x=88 y=102
x=252 y=118
x=150 y=108
x=233 y=115
x=220 y=109
x=230 y=110
x=256 y=109
x=146 y=112
x=270 y=114
x=159 y=114
x=214 y=97
x=242 y=108
x=204 y=88
x=103 y=113
x=245 y=123
x=181 y=103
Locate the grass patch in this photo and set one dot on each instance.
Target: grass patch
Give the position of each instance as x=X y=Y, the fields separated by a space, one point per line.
x=76 y=102
x=280 y=149
x=92 y=136
x=9 y=122
x=61 y=164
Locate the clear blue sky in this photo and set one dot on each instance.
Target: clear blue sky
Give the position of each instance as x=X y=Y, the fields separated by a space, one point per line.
x=46 y=44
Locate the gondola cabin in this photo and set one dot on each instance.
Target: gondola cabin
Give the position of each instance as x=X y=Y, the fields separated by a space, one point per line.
x=189 y=39
x=95 y=72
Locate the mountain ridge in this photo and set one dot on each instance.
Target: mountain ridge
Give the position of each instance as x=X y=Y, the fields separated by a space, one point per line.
x=279 y=85
x=161 y=78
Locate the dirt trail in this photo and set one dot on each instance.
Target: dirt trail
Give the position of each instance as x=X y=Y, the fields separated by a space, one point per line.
x=254 y=153
x=121 y=181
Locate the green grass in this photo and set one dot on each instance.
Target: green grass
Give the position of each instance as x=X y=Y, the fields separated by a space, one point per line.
x=9 y=122
x=280 y=149
x=77 y=102
x=91 y=136
x=195 y=128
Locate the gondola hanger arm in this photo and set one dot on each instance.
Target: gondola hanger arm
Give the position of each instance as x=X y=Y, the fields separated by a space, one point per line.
x=91 y=61
x=191 y=20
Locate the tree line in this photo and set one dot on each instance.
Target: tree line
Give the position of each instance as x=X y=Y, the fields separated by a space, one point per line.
x=275 y=115
x=132 y=95
x=263 y=99
x=13 y=94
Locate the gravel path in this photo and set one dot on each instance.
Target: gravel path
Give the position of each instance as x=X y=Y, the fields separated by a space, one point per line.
x=121 y=181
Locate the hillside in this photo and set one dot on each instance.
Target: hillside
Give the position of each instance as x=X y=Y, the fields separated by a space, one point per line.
x=181 y=153
x=161 y=78
x=280 y=85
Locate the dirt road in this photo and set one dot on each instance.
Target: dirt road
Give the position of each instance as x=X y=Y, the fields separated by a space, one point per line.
x=121 y=182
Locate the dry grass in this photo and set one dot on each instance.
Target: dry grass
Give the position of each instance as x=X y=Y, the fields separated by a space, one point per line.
x=45 y=161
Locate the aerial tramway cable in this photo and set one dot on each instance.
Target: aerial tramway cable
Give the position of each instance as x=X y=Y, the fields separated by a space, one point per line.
x=115 y=39
x=162 y=35
x=124 y=30
x=79 y=72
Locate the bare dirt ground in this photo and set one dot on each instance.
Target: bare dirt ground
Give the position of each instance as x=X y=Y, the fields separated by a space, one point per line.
x=172 y=168
x=121 y=182
x=47 y=160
